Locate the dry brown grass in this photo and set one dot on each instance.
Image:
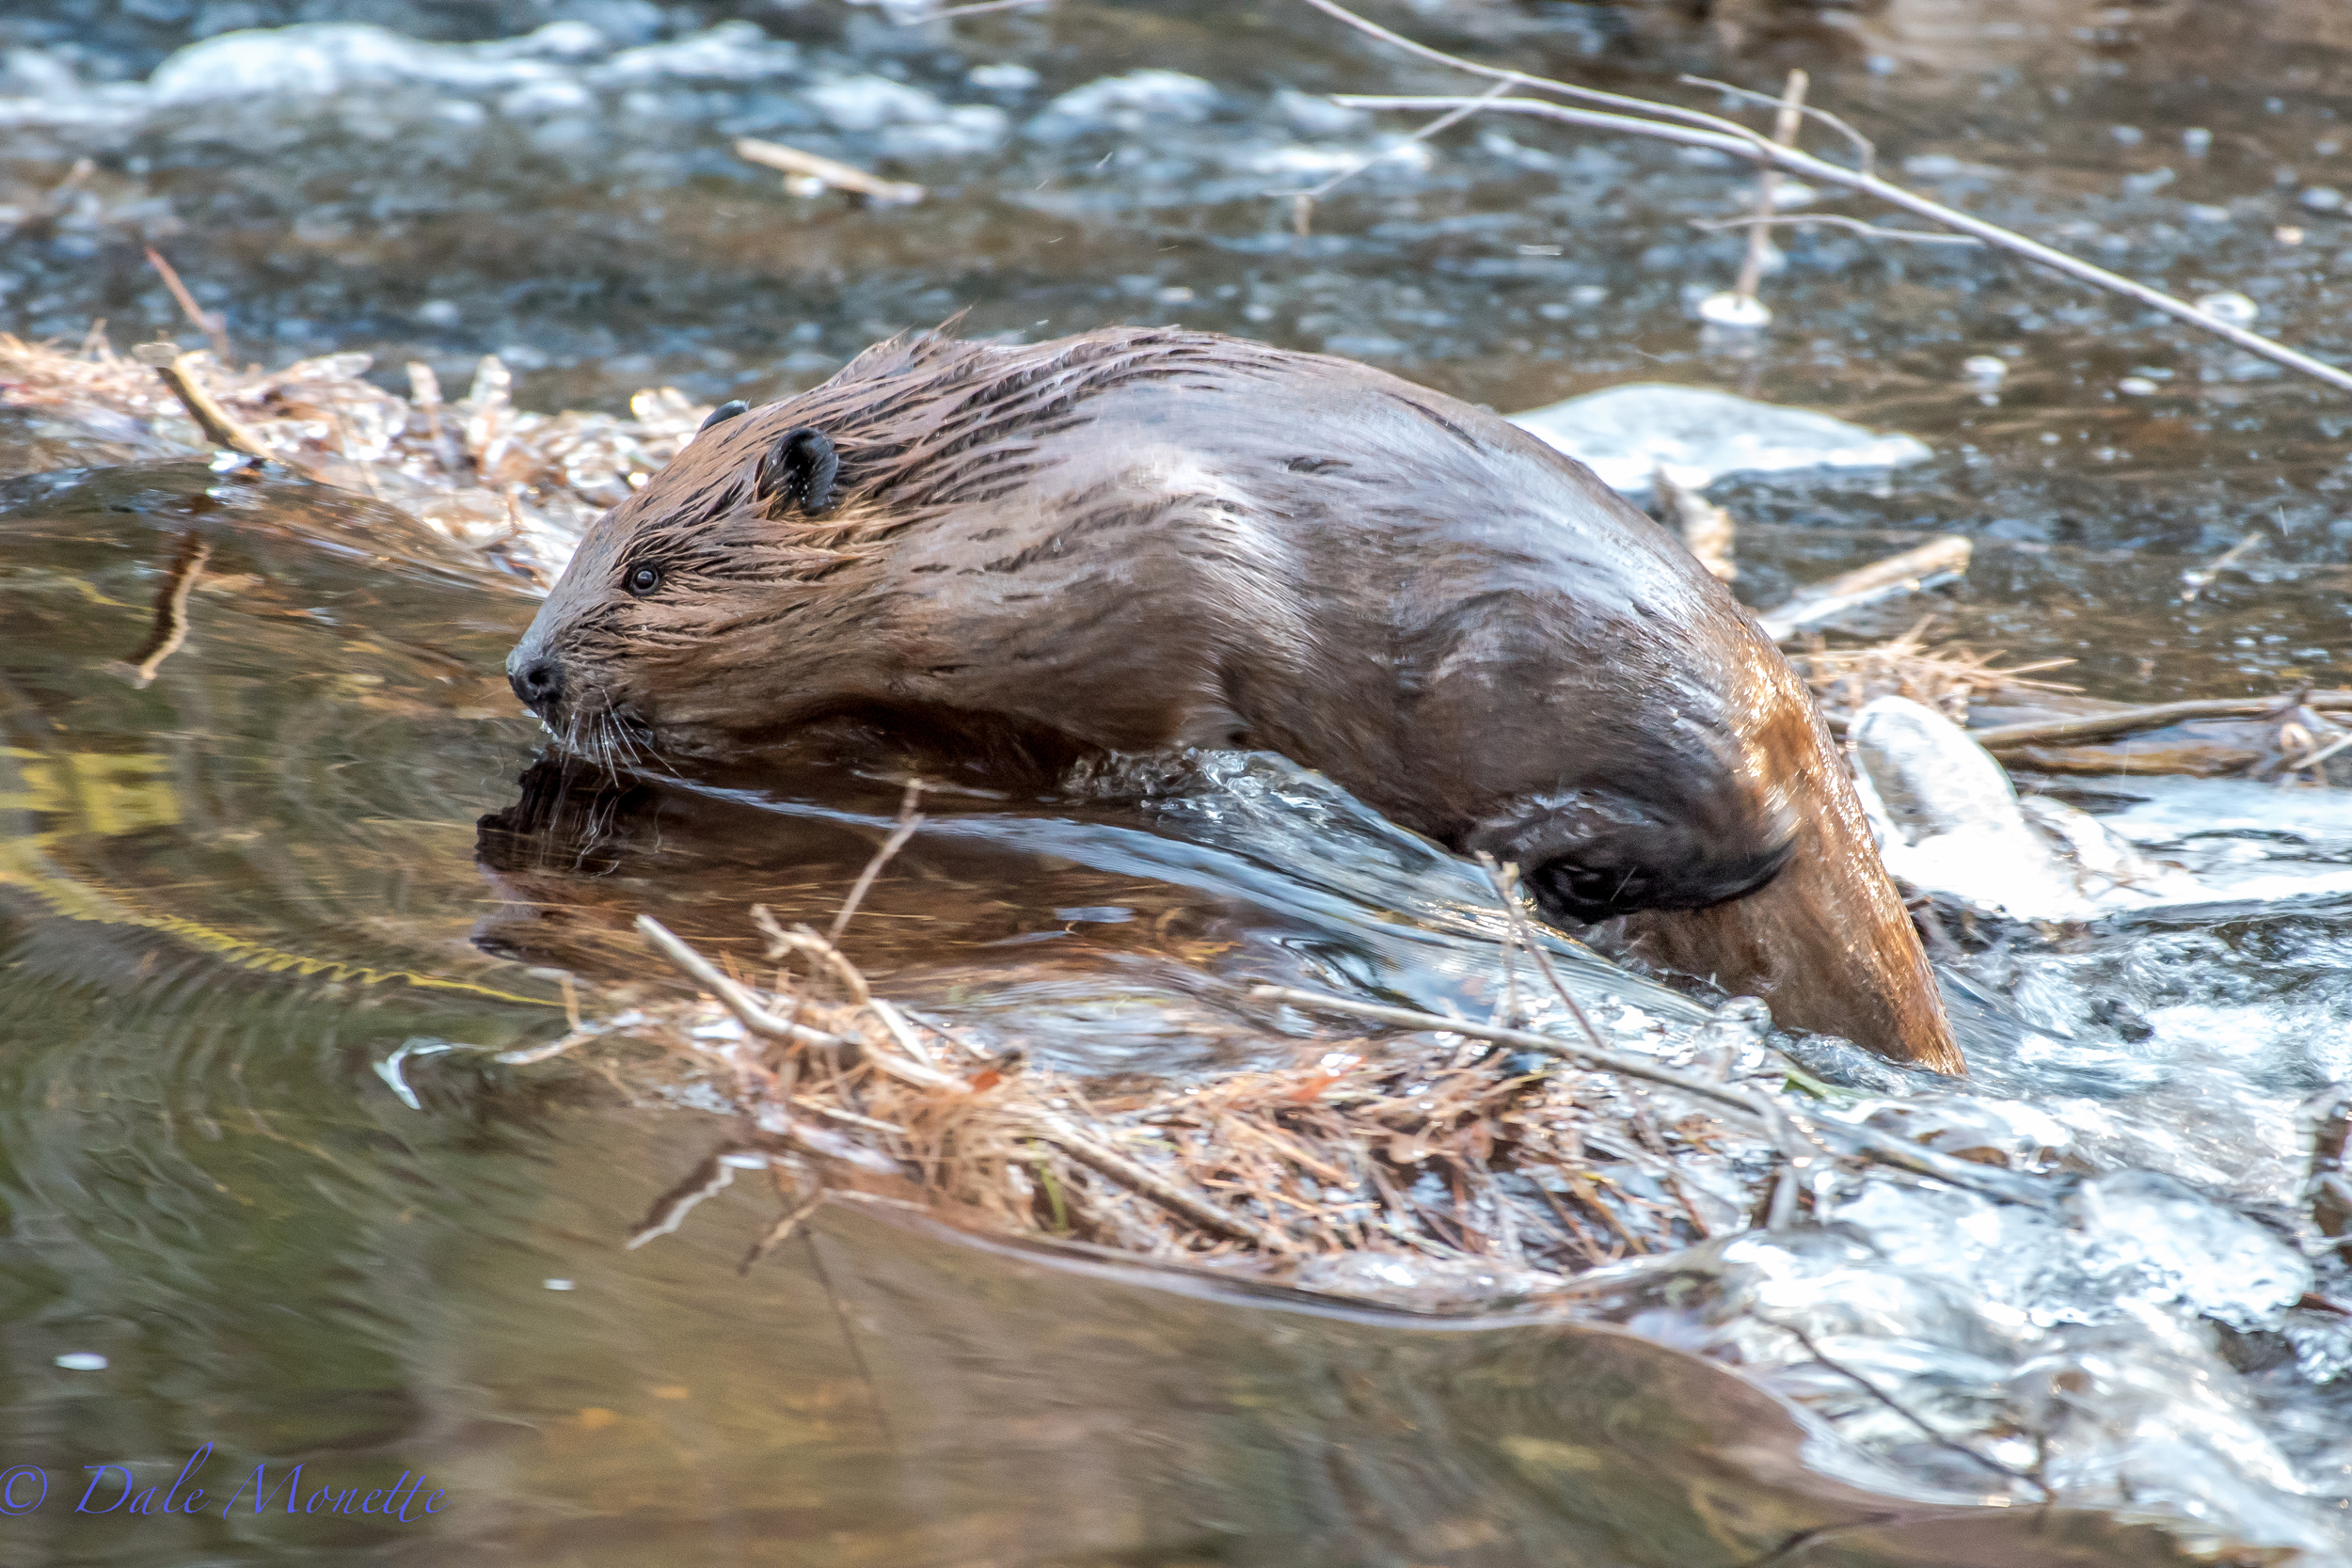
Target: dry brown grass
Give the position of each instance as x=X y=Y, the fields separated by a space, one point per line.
x=1433 y=1146
x=517 y=486
x=1946 y=679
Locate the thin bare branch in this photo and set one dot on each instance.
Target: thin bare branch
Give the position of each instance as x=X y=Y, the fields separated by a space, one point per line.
x=908 y=822
x=1790 y=160
x=980 y=7
x=2155 y=716
x=178 y=371
x=798 y=165
x=1144 y=1183
x=1785 y=129
x=1692 y=128
x=2316 y=758
x=1503 y=883
x=1716 y=124
x=1863 y=148
x=1451 y=116
x=1835 y=220
x=2196 y=582
x=1889 y=1401
x=782 y=1231
x=1937 y=560
x=214 y=325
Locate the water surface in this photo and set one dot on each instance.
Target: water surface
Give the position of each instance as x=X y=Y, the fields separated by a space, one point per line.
x=229 y=895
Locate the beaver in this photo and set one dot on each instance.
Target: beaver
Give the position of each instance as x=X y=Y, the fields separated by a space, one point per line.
x=1146 y=538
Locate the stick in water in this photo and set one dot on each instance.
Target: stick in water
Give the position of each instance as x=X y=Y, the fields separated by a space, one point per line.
x=1745 y=307
x=1642 y=116
x=1937 y=560
x=211 y=324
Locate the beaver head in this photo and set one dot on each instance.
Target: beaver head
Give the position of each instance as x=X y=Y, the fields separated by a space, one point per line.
x=1144 y=539
x=661 y=603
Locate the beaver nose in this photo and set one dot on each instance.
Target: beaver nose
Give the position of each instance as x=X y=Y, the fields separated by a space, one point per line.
x=539 y=684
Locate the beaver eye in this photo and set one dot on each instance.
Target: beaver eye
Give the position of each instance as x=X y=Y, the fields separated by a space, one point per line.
x=643 y=581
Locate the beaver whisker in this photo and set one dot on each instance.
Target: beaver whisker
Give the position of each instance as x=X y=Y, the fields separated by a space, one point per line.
x=632 y=740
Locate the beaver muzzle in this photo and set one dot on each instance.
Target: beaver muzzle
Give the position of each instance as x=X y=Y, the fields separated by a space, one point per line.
x=538 y=680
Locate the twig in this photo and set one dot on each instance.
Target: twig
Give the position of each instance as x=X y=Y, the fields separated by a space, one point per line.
x=1450 y=118
x=424 y=392
x=1598 y=1055
x=1503 y=882
x=1709 y=531
x=2313 y=759
x=1720 y=126
x=528 y=1054
x=172 y=610
x=1863 y=148
x=828 y=1145
x=2197 y=581
x=1145 y=1183
x=908 y=822
x=782 y=1231
x=1785 y=127
x=2155 y=716
x=980 y=7
x=736 y=999
x=900 y=1030
x=759 y=1021
x=1837 y=221
x=214 y=326
x=1869 y=1141
x=1914 y=569
x=1692 y=128
x=825 y=171
x=1509 y=1014
x=1925 y=1429
x=1787 y=1190
x=1053 y=1129
x=848 y=1119
x=803 y=940
x=178 y=371
x=1895 y=196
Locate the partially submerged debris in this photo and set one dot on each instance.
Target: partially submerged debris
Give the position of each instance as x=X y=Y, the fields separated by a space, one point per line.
x=1707 y=531
x=809 y=174
x=1448 y=1147
x=2196 y=581
x=1939 y=560
x=1949 y=822
x=2295 y=737
x=517 y=486
x=1493 y=1145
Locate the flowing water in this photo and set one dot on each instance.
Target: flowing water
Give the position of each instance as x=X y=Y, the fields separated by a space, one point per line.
x=266 y=1187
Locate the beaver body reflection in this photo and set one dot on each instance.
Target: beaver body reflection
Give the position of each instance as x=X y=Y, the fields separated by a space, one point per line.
x=1144 y=539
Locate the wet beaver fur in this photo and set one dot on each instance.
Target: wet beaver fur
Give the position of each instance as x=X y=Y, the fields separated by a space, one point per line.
x=1138 y=538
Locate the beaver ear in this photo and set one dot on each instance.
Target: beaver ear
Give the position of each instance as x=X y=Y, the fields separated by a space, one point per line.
x=721 y=414
x=802 y=465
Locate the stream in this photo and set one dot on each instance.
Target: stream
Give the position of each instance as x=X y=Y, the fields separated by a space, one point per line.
x=271 y=906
